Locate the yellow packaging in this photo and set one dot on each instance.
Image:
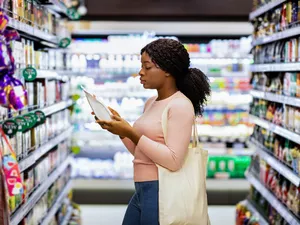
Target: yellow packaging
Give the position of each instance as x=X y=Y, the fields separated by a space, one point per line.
x=21 y=9
x=12 y=203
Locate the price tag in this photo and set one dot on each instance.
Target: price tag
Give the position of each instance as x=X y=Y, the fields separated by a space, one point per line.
x=73 y=14
x=10 y=127
x=29 y=73
x=31 y=120
x=41 y=117
x=22 y=123
x=65 y=42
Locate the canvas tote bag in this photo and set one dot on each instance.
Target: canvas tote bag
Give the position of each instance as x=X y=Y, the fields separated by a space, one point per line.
x=182 y=194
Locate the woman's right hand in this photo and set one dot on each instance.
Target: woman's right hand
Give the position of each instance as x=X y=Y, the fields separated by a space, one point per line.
x=114 y=112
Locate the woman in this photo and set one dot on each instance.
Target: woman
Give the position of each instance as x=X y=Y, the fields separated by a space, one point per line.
x=165 y=67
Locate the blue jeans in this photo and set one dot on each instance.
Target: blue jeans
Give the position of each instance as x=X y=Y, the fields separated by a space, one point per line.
x=143 y=206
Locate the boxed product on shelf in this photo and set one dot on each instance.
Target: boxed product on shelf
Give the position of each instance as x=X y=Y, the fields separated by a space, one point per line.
x=31 y=138
x=278 y=19
x=283 y=149
x=25 y=54
x=40 y=210
x=277 y=113
x=44 y=92
x=283 y=51
x=287 y=83
x=33 y=14
x=285 y=191
x=244 y=216
x=264 y=207
x=37 y=174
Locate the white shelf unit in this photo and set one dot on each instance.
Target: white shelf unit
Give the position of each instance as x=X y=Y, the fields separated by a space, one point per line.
x=55 y=207
x=276 y=67
x=265 y=8
x=276 y=129
x=254 y=211
x=293 y=101
x=291 y=32
x=280 y=167
x=38 y=193
x=280 y=208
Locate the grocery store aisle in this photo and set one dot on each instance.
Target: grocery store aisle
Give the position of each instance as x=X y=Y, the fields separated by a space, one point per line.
x=113 y=214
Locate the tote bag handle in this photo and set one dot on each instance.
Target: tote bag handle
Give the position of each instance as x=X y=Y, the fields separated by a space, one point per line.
x=195 y=136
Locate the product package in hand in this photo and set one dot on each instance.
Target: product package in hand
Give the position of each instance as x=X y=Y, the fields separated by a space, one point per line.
x=99 y=108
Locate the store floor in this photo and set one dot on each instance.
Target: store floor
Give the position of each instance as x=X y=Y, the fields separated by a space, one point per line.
x=113 y=214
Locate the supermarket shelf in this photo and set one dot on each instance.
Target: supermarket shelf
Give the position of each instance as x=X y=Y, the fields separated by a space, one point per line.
x=211 y=184
x=276 y=129
x=67 y=216
x=32 y=32
x=293 y=101
x=281 y=209
x=254 y=211
x=55 y=207
x=277 y=36
x=276 y=164
x=275 y=67
x=40 y=191
x=263 y=9
x=32 y=158
x=48 y=74
x=57 y=107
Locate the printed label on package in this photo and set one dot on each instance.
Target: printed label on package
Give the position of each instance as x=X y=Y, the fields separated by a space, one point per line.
x=41 y=117
x=10 y=127
x=29 y=73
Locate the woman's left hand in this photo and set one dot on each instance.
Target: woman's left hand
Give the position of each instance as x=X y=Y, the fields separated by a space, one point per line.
x=117 y=126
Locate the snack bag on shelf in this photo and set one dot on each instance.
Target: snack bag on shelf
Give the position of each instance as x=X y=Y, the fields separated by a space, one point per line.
x=4 y=211
x=11 y=171
x=12 y=92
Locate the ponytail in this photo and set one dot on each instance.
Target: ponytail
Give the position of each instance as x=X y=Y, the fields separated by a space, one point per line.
x=195 y=86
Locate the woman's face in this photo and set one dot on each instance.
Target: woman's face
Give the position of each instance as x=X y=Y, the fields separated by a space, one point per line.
x=152 y=77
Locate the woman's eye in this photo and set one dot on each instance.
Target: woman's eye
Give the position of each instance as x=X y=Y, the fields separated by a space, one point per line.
x=148 y=68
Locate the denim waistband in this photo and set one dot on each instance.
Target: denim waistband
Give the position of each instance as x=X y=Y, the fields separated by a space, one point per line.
x=146 y=185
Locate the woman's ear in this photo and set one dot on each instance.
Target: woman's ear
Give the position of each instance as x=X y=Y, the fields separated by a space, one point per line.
x=167 y=74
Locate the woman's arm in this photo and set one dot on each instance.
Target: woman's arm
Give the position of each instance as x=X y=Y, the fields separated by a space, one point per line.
x=129 y=145
x=179 y=130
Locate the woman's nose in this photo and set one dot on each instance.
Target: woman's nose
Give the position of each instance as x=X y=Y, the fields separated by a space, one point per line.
x=141 y=73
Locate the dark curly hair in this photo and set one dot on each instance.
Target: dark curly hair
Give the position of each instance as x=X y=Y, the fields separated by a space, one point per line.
x=171 y=56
